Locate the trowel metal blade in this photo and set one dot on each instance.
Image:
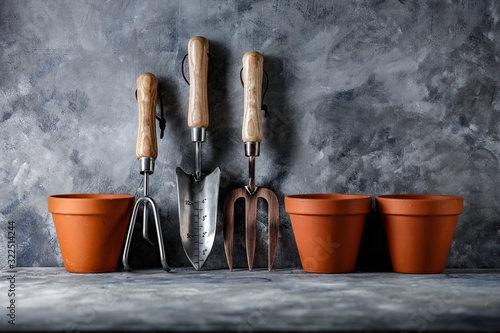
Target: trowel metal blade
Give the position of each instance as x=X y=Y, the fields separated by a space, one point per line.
x=197 y=203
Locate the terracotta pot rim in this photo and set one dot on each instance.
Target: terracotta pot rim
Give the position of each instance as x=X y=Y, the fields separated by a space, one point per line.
x=328 y=204
x=91 y=196
x=328 y=196
x=337 y=215
x=419 y=204
x=427 y=197
x=90 y=204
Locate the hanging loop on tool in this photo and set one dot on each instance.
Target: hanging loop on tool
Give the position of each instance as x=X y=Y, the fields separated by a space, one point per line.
x=162 y=120
x=210 y=67
x=263 y=106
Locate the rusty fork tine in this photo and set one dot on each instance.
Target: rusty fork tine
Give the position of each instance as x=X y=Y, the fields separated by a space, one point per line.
x=273 y=214
x=228 y=218
x=228 y=222
x=250 y=228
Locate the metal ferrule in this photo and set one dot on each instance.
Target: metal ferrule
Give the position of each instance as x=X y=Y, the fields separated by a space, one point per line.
x=252 y=148
x=198 y=134
x=147 y=165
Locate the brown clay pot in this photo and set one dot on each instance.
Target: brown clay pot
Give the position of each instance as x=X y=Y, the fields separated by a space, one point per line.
x=419 y=230
x=91 y=229
x=328 y=229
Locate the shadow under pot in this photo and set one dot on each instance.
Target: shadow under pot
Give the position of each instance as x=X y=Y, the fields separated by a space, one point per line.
x=91 y=229
x=328 y=229
x=419 y=230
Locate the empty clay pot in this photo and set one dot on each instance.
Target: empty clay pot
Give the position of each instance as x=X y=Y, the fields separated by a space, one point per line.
x=328 y=229
x=419 y=230
x=91 y=229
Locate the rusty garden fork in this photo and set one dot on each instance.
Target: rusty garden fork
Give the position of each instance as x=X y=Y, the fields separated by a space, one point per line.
x=252 y=135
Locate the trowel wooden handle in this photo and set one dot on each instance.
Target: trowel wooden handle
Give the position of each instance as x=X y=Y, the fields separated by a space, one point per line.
x=253 y=66
x=147 y=93
x=198 y=72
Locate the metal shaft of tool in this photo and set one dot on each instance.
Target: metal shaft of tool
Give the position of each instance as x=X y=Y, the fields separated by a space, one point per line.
x=251 y=175
x=145 y=217
x=198 y=136
x=198 y=160
x=252 y=149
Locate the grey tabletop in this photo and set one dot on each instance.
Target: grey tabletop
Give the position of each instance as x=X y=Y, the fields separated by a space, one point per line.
x=51 y=299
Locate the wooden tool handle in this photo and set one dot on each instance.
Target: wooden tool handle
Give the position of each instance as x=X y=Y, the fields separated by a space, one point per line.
x=147 y=93
x=253 y=66
x=198 y=72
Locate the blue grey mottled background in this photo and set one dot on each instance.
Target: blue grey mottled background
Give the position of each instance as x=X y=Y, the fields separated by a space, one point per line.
x=370 y=97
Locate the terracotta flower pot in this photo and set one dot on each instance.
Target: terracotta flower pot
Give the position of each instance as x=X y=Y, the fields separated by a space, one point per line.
x=419 y=230
x=91 y=229
x=328 y=229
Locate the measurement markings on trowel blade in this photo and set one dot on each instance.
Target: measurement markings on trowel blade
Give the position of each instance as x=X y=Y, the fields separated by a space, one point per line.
x=198 y=232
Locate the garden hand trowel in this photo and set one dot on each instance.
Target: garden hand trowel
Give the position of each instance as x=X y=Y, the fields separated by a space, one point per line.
x=198 y=193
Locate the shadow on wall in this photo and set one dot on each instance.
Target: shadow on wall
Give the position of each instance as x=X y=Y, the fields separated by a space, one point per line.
x=280 y=133
x=373 y=252
x=221 y=115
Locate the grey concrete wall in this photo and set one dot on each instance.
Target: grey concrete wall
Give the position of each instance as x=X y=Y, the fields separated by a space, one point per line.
x=369 y=97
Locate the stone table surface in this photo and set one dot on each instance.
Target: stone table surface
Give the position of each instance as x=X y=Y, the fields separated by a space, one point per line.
x=51 y=299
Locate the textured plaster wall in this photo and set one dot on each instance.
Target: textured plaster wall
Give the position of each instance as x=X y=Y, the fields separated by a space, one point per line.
x=369 y=97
